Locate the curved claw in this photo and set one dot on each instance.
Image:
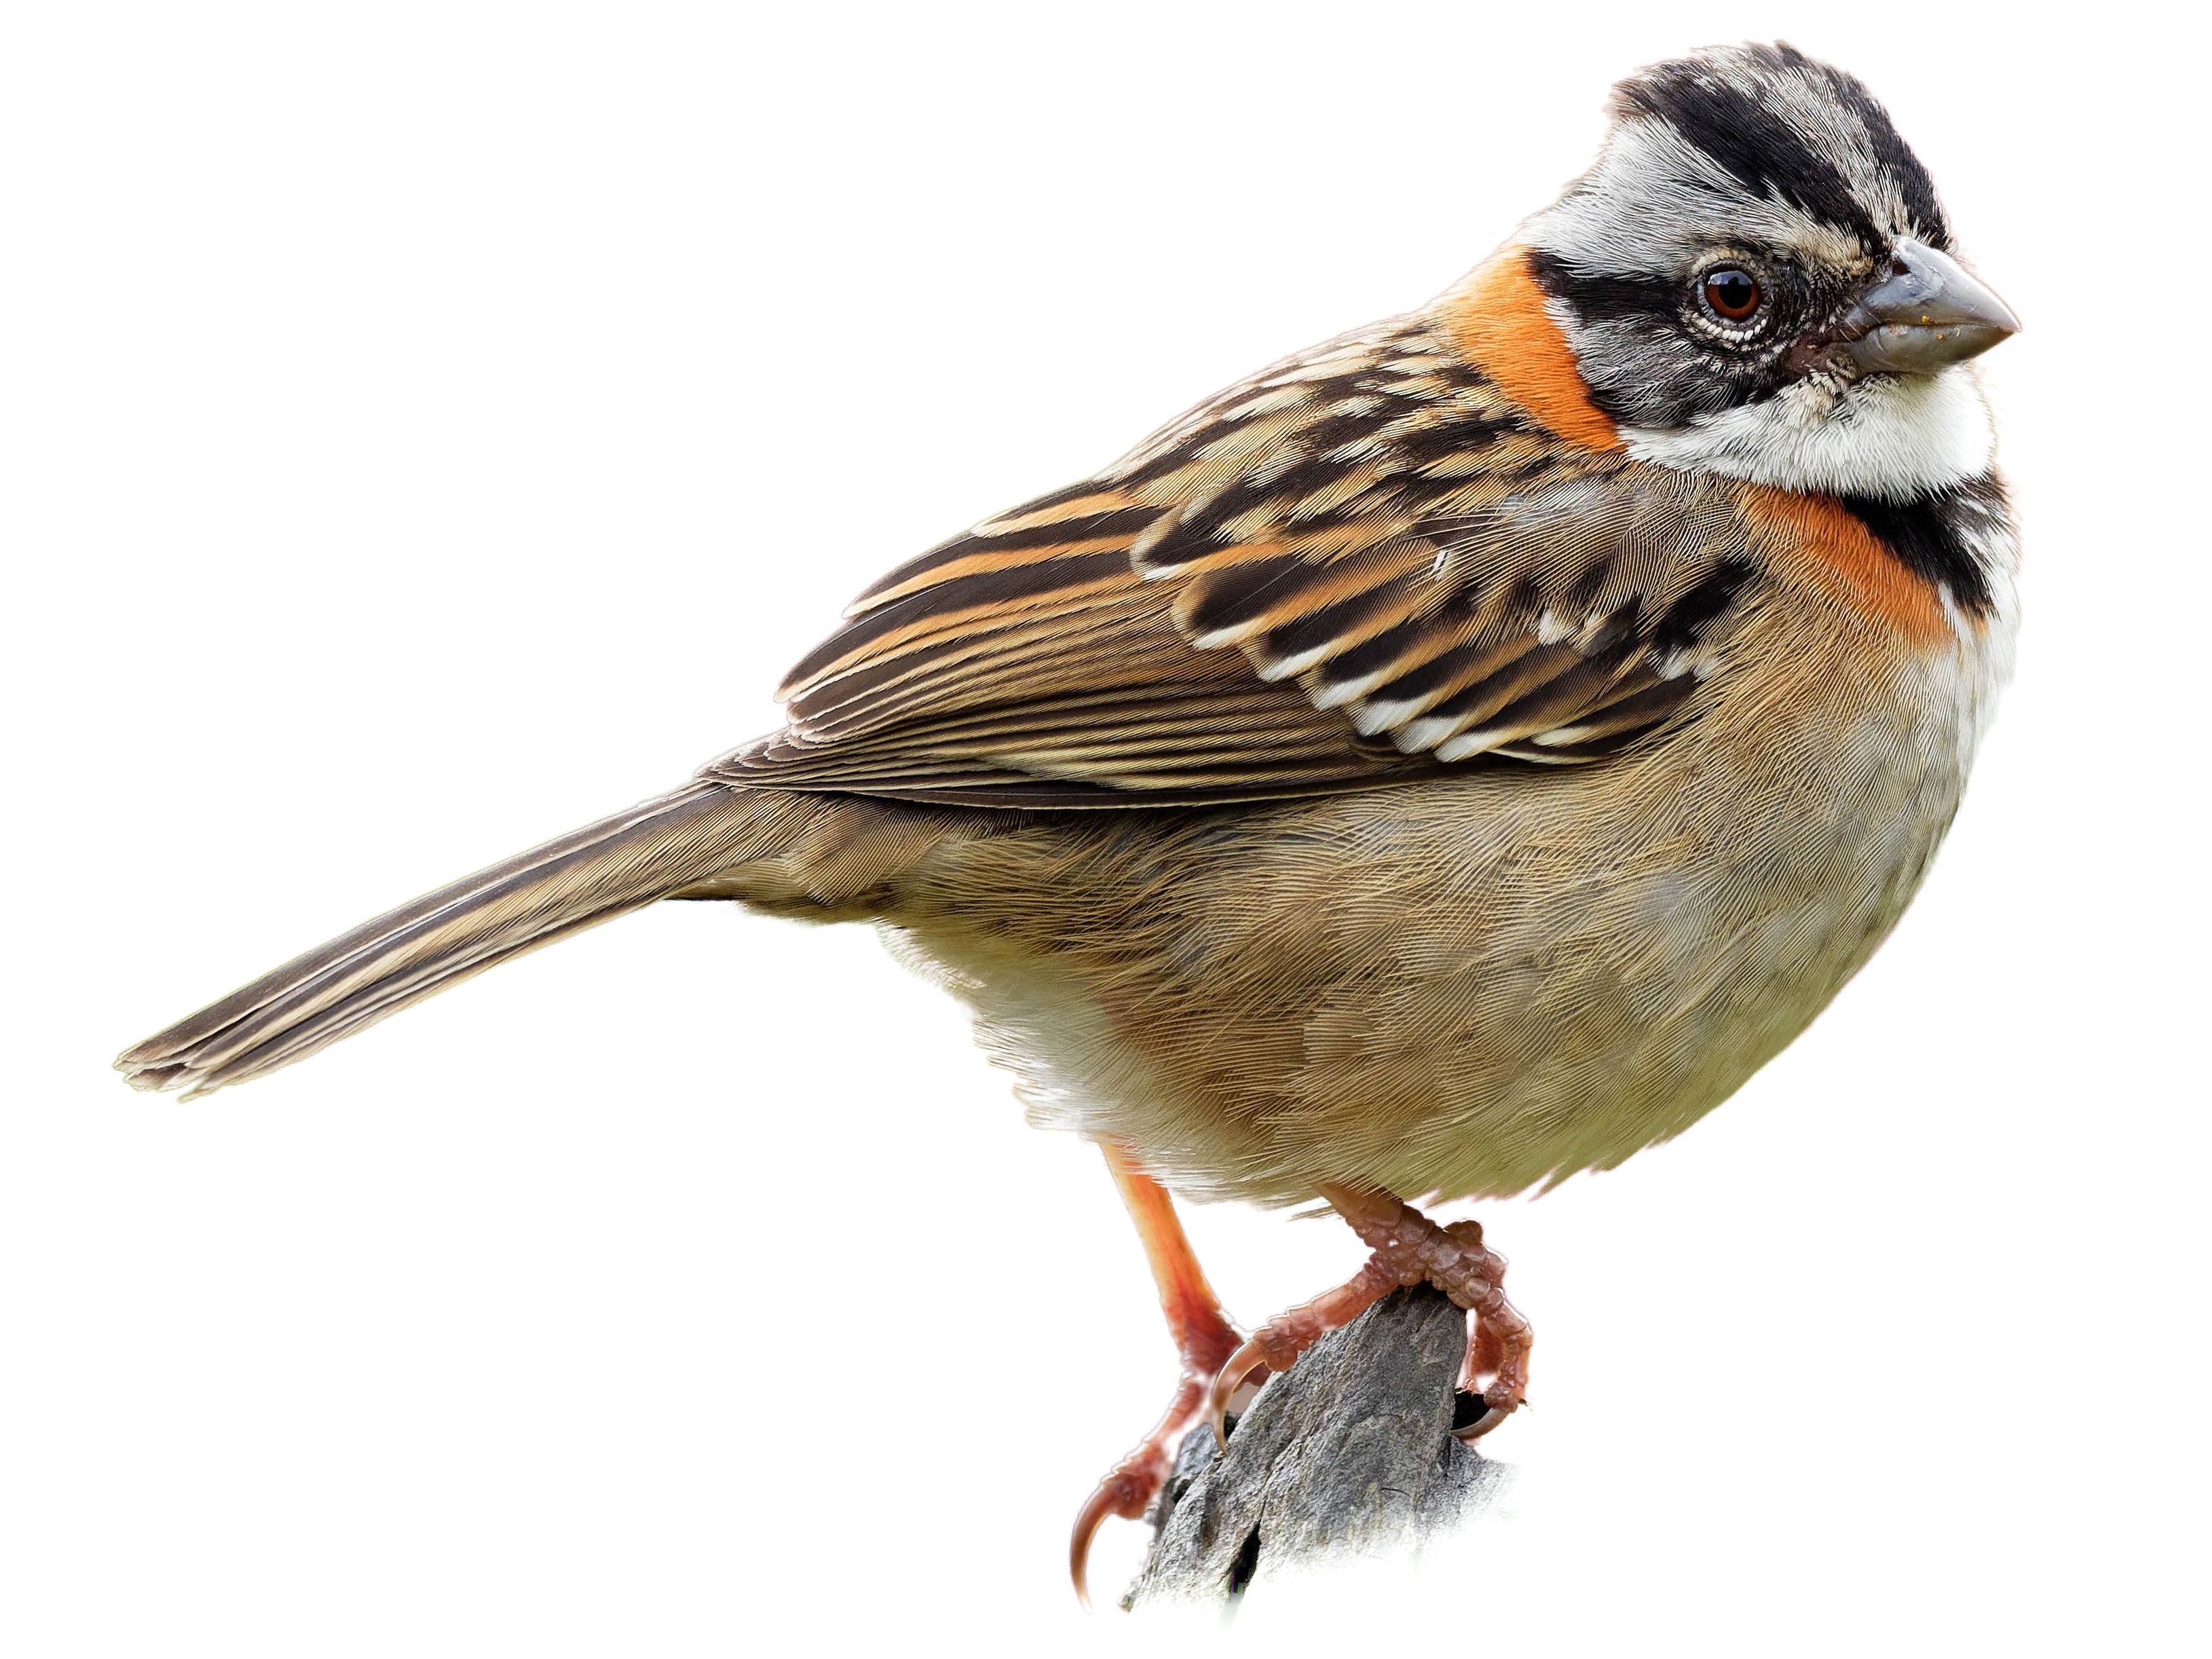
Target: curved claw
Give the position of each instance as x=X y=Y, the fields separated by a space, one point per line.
x=1096 y=1508
x=1483 y=1425
x=1491 y=1417
x=1125 y=1493
x=1240 y=1369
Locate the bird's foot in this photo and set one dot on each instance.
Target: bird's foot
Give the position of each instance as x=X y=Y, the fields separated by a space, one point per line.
x=1131 y=1486
x=1408 y=1249
x=1499 y=1336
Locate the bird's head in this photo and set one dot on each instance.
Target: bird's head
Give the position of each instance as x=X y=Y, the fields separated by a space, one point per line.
x=1756 y=278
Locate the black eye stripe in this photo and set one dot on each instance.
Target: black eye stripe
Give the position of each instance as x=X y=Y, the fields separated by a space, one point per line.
x=1603 y=298
x=1699 y=372
x=1654 y=300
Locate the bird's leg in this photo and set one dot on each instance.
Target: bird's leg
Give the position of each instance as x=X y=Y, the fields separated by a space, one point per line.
x=1408 y=1249
x=1203 y=1340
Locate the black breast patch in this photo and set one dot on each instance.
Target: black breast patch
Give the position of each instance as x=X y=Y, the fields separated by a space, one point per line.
x=1932 y=535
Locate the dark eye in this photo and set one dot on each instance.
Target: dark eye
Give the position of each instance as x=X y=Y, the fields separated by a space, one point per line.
x=1732 y=292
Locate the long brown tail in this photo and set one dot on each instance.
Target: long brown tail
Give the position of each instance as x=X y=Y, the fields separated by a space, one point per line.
x=656 y=849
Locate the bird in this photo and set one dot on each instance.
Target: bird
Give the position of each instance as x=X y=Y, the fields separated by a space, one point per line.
x=1451 y=759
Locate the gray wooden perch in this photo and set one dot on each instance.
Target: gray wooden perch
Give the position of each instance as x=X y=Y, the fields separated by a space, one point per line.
x=1350 y=1453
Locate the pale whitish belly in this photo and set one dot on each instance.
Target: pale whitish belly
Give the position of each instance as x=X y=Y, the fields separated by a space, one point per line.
x=1463 y=988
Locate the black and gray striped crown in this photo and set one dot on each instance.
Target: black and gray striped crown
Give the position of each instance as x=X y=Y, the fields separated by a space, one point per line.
x=1787 y=128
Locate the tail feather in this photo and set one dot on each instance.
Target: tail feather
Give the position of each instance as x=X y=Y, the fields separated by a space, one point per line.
x=585 y=878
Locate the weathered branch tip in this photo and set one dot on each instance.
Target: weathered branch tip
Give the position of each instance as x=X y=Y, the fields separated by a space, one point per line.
x=1350 y=1453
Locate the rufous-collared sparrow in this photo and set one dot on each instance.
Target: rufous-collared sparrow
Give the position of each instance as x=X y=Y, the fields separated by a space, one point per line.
x=1456 y=757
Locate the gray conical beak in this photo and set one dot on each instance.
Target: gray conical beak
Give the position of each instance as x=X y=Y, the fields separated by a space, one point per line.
x=1925 y=314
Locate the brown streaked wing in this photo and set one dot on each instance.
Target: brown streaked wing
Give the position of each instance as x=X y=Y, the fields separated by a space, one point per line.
x=1361 y=565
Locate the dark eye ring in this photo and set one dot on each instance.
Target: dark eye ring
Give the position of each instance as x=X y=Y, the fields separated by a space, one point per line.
x=1732 y=292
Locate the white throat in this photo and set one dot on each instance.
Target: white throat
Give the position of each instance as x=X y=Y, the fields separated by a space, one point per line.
x=1891 y=437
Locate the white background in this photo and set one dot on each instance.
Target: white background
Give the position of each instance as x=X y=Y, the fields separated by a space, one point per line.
x=429 y=427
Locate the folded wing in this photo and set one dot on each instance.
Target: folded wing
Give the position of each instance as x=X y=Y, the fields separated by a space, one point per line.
x=1359 y=567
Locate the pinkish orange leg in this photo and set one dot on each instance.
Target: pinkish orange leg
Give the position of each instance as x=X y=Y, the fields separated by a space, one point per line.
x=1408 y=1249
x=1203 y=1340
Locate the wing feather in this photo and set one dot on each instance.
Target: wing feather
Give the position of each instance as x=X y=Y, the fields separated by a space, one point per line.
x=1363 y=565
